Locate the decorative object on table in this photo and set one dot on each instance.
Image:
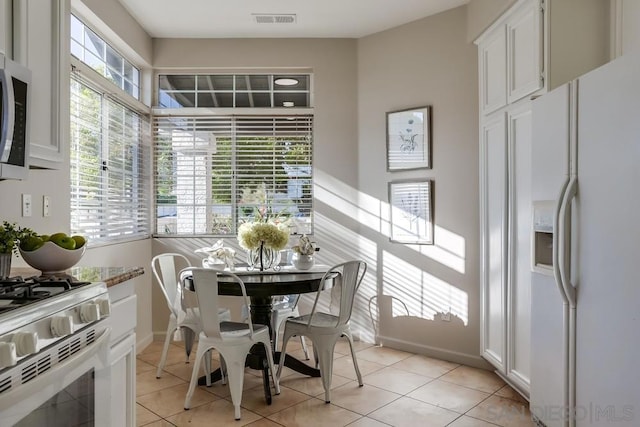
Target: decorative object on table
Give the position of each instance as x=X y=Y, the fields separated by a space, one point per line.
x=302 y=257
x=409 y=139
x=411 y=212
x=52 y=254
x=263 y=239
x=10 y=237
x=218 y=256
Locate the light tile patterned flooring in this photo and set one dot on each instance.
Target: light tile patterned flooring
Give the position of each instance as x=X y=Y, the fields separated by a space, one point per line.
x=400 y=389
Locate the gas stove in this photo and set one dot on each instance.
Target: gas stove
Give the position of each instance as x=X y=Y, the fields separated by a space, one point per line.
x=54 y=334
x=16 y=292
x=46 y=310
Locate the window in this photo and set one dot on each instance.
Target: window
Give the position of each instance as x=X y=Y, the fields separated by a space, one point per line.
x=109 y=154
x=92 y=50
x=214 y=171
x=233 y=91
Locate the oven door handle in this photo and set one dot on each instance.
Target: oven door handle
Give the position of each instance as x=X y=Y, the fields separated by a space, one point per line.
x=55 y=375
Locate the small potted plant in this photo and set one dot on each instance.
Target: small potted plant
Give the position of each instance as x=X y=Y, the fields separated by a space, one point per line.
x=302 y=257
x=10 y=236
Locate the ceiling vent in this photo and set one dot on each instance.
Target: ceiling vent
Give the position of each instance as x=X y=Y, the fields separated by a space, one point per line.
x=269 y=18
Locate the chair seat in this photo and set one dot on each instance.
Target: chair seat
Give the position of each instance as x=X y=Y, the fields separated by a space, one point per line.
x=231 y=330
x=319 y=320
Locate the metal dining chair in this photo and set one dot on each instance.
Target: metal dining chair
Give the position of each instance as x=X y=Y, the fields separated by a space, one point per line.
x=182 y=316
x=233 y=340
x=324 y=329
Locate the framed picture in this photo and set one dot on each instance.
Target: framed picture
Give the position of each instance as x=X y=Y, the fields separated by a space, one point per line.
x=411 y=211
x=409 y=139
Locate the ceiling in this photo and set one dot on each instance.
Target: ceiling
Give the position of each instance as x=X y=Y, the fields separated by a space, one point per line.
x=313 y=18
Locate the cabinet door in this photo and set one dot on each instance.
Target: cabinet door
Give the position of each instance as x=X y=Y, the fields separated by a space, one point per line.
x=524 y=44
x=493 y=70
x=37 y=45
x=493 y=196
x=123 y=382
x=520 y=217
x=6 y=37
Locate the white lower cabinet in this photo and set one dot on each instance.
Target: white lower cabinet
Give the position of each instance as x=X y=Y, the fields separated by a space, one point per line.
x=123 y=382
x=505 y=187
x=122 y=356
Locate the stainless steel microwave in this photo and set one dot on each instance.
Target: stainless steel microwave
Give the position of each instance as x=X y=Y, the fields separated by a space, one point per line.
x=15 y=80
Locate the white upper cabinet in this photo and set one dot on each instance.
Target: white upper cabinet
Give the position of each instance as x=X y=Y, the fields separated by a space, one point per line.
x=6 y=26
x=39 y=44
x=493 y=71
x=510 y=57
x=524 y=52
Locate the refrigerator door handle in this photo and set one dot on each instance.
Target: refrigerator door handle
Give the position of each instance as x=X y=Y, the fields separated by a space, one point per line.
x=564 y=245
x=558 y=241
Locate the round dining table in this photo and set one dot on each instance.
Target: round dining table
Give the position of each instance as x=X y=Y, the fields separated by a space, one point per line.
x=261 y=287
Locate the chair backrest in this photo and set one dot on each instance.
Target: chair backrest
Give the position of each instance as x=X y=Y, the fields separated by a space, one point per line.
x=164 y=268
x=205 y=282
x=348 y=277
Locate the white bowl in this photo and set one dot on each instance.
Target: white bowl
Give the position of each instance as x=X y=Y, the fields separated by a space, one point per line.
x=51 y=258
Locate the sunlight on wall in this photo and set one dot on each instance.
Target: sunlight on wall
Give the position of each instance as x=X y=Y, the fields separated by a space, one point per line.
x=424 y=294
x=448 y=248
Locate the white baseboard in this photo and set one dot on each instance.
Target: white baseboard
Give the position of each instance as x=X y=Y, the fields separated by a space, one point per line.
x=436 y=352
x=142 y=343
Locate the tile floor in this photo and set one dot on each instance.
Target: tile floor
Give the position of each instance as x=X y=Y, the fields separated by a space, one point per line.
x=401 y=389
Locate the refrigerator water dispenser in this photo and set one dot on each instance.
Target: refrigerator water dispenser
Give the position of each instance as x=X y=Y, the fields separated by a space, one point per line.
x=542 y=251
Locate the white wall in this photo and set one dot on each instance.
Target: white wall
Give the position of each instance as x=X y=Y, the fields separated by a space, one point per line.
x=427 y=62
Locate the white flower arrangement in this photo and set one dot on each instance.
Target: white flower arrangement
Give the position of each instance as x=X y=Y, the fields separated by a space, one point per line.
x=305 y=246
x=251 y=235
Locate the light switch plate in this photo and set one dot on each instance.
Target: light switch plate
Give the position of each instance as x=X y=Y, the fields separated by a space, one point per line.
x=26 y=205
x=46 y=206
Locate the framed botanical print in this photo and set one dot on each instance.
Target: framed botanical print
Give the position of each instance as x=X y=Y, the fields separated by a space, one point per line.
x=411 y=211
x=409 y=139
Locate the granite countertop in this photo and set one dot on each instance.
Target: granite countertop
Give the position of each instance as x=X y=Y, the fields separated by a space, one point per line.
x=110 y=275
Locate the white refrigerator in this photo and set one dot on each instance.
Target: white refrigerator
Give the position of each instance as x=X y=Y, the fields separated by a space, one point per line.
x=585 y=291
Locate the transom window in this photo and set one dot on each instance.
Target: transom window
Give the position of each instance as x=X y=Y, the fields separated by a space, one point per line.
x=91 y=49
x=233 y=90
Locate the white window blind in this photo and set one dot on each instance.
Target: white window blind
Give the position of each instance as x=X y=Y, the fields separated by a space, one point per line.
x=109 y=167
x=213 y=172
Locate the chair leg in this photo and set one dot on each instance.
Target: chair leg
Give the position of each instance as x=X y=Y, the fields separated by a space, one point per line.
x=194 y=376
x=171 y=327
x=353 y=356
x=325 y=345
x=272 y=368
x=207 y=367
x=235 y=357
x=223 y=370
x=285 y=340
x=189 y=337
x=304 y=347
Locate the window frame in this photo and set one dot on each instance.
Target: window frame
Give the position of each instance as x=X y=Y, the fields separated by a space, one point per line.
x=109 y=92
x=235 y=190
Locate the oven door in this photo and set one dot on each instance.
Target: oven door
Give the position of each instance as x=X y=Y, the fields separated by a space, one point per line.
x=74 y=392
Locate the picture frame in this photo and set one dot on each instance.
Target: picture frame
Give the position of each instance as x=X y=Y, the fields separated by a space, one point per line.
x=411 y=216
x=409 y=139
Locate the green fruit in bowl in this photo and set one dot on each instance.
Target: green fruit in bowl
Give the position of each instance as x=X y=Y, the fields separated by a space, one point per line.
x=31 y=243
x=80 y=241
x=45 y=237
x=64 y=241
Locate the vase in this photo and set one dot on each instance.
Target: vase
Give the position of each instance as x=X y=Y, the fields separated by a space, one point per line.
x=263 y=258
x=302 y=262
x=5 y=265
